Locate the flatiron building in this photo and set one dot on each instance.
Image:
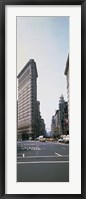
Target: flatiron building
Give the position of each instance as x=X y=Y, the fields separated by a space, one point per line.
x=27 y=100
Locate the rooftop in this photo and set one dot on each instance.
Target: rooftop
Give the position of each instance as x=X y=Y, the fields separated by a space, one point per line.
x=31 y=61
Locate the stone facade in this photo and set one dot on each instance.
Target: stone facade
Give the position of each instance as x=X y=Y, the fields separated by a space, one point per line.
x=59 y=124
x=55 y=127
x=67 y=77
x=27 y=99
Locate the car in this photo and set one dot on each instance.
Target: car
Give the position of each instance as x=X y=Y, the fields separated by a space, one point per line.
x=66 y=141
x=60 y=140
x=42 y=140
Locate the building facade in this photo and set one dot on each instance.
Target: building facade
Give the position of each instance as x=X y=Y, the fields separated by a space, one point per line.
x=66 y=120
x=59 y=123
x=27 y=100
x=67 y=77
x=63 y=113
x=40 y=121
x=55 y=127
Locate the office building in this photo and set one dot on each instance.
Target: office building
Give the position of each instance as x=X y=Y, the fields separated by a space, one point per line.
x=67 y=77
x=63 y=113
x=55 y=127
x=27 y=100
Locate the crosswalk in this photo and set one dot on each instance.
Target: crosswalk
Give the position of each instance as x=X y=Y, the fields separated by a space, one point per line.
x=31 y=148
x=34 y=148
x=28 y=147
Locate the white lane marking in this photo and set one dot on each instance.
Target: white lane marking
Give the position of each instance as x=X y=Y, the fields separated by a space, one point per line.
x=43 y=156
x=38 y=157
x=41 y=162
x=58 y=154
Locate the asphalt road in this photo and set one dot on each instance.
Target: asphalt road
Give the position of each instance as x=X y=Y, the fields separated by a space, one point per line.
x=42 y=161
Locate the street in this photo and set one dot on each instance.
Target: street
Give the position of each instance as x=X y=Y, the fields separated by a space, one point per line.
x=42 y=161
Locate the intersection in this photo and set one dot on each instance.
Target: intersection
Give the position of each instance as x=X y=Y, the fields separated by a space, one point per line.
x=42 y=161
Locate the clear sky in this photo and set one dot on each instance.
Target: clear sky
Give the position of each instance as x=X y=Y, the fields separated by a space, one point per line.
x=46 y=40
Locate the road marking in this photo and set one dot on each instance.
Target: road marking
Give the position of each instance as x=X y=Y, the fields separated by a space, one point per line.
x=30 y=148
x=38 y=157
x=58 y=154
x=42 y=162
x=43 y=156
x=34 y=148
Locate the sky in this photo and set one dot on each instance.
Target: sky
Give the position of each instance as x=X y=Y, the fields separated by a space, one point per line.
x=46 y=40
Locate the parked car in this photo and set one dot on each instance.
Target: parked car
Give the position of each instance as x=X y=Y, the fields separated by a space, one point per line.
x=60 y=140
x=42 y=139
x=66 y=141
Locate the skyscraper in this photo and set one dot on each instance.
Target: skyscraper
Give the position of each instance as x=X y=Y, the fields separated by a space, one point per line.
x=27 y=100
x=61 y=110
